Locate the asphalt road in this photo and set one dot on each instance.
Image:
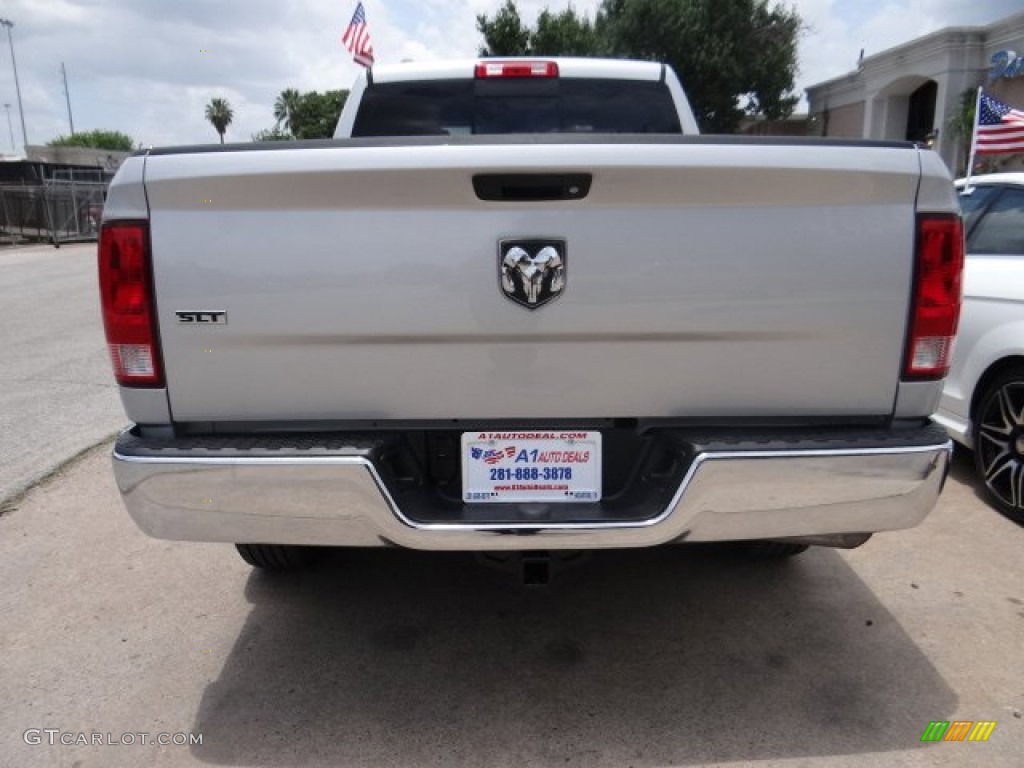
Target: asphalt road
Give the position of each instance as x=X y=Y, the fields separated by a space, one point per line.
x=57 y=394
x=390 y=658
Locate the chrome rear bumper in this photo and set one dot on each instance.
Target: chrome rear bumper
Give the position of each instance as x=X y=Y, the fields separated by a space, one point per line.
x=331 y=493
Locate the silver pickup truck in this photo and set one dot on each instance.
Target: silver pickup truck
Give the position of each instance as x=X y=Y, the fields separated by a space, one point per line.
x=521 y=305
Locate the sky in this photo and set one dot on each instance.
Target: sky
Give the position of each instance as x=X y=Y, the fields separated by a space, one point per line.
x=148 y=67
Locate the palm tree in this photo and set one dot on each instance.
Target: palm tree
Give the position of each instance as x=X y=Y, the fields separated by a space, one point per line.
x=219 y=113
x=285 y=108
x=961 y=126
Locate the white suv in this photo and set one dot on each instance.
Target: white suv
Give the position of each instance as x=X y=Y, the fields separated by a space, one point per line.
x=982 y=404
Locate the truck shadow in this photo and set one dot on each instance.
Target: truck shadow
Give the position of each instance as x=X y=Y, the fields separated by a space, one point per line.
x=962 y=468
x=665 y=656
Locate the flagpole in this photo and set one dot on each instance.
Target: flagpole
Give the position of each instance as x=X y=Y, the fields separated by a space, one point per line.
x=974 y=142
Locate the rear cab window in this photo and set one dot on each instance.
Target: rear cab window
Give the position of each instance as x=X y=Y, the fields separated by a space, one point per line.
x=515 y=105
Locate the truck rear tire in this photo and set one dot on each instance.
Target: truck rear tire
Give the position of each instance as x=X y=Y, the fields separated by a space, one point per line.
x=769 y=550
x=277 y=557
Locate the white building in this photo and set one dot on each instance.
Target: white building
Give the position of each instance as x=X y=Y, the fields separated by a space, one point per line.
x=912 y=91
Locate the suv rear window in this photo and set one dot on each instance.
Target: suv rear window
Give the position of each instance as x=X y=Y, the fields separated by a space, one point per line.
x=515 y=105
x=1001 y=230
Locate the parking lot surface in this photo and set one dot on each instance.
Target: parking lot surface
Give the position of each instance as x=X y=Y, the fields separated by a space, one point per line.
x=672 y=656
x=57 y=396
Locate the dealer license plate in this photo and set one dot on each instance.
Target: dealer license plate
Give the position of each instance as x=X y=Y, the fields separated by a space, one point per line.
x=531 y=466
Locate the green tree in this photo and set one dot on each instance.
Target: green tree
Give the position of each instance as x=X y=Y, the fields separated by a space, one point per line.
x=728 y=53
x=961 y=127
x=272 y=134
x=109 y=140
x=556 y=34
x=734 y=57
x=285 y=107
x=565 y=34
x=220 y=115
x=505 y=34
x=316 y=114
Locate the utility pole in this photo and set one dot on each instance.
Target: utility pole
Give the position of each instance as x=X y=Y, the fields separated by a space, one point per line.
x=67 y=95
x=9 y=126
x=17 y=87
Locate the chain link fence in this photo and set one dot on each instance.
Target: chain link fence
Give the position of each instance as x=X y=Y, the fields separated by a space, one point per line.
x=58 y=210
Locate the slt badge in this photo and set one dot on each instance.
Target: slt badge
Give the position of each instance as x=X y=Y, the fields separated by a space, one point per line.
x=532 y=271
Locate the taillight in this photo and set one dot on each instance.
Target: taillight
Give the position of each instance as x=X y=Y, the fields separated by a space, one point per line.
x=487 y=69
x=126 y=299
x=938 y=271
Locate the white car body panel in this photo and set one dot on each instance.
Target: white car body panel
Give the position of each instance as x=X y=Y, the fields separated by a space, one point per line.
x=991 y=325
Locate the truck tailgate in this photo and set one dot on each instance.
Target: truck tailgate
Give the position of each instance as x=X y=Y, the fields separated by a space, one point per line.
x=703 y=278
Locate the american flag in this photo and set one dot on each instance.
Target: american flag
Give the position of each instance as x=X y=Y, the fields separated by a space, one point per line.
x=1000 y=127
x=357 y=38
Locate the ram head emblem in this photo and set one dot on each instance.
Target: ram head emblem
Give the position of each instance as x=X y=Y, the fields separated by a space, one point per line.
x=532 y=271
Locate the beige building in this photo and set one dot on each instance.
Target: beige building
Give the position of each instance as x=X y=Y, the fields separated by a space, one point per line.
x=912 y=92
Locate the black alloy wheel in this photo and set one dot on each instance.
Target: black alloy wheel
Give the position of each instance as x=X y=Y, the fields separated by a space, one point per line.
x=999 y=443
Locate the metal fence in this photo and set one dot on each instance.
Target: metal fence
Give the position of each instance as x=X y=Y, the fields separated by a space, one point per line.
x=57 y=210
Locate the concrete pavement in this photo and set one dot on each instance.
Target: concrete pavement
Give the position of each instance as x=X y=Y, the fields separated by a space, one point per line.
x=57 y=394
x=391 y=658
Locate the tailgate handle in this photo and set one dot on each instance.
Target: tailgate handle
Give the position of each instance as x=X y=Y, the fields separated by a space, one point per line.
x=531 y=187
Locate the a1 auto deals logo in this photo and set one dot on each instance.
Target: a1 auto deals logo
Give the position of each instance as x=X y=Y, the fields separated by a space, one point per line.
x=958 y=730
x=492 y=455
